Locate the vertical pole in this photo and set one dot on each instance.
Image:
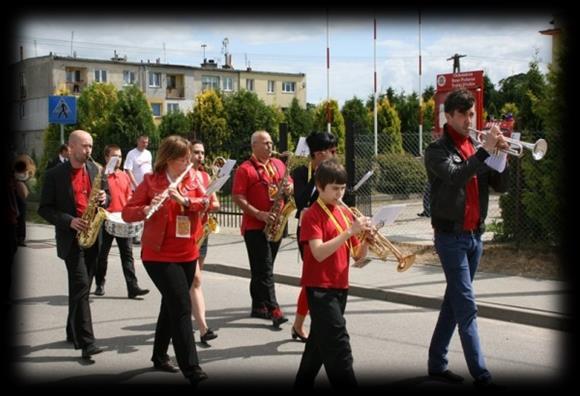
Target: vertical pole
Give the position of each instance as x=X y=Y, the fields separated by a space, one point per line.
x=327 y=75
x=420 y=93
x=61 y=134
x=375 y=123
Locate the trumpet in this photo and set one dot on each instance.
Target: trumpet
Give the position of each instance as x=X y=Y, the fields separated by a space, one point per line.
x=165 y=194
x=381 y=246
x=516 y=147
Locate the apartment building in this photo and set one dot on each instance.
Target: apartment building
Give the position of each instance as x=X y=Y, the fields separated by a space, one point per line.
x=167 y=87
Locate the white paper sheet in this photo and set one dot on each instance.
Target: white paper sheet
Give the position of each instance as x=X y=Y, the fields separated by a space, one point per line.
x=302 y=149
x=216 y=185
x=387 y=215
x=227 y=168
x=111 y=165
x=497 y=161
x=363 y=180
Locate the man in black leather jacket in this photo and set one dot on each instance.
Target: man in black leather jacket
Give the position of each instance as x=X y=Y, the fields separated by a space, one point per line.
x=460 y=180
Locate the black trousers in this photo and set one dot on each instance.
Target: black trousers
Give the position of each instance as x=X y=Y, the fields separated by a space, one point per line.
x=328 y=342
x=127 y=262
x=173 y=281
x=262 y=255
x=80 y=266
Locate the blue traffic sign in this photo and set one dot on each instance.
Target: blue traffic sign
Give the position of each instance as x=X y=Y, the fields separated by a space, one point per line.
x=62 y=109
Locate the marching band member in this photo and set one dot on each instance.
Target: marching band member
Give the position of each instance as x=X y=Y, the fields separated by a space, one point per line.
x=328 y=233
x=169 y=251
x=322 y=146
x=120 y=187
x=196 y=293
x=255 y=186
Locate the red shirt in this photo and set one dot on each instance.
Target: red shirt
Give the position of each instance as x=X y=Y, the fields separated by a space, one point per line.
x=252 y=180
x=333 y=271
x=466 y=150
x=159 y=242
x=81 y=184
x=120 y=188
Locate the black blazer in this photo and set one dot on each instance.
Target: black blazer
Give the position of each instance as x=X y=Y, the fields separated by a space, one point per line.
x=305 y=193
x=53 y=162
x=57 y=203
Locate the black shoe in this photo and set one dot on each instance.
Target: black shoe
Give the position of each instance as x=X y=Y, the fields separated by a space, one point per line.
x=487 y=384
x=209 y=335
x=261 y=313
x=137 y=292
x=296 y=335
x=91 y=350
x=166 y=366
x=448 y=376
x=197 y=376
x=276 y=322
x=100 y=290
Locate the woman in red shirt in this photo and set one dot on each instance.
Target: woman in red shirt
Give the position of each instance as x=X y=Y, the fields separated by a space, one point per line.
x=169 y=252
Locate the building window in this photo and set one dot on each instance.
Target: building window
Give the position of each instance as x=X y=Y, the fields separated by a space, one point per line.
x=288 y=86
x=228 y=84
x=154 y=79
x=271 y=86
x=73 y=75
x=172 y=107
x=171 y=81
x=101 y=76
x=128 y=77
x=210 y=82
x=250 y=84
x=156 y=109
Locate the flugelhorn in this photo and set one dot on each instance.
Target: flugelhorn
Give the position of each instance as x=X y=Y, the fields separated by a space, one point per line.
x=516 y=147
x=165 y=194
x=381 y=246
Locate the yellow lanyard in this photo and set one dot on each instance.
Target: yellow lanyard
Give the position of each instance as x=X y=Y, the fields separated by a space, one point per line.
x=309 y=171
x=268 y=168
x=335 y=221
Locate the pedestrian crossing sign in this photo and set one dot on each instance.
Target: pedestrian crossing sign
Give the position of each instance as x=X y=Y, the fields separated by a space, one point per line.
x=62 y=109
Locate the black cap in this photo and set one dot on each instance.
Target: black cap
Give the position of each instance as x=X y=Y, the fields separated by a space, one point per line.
x=319 y=141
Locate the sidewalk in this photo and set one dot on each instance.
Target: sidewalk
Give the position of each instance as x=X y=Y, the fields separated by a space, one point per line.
x=535 y=302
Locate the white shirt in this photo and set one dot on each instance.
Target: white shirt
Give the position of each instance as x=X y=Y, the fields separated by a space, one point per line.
x=139 y=162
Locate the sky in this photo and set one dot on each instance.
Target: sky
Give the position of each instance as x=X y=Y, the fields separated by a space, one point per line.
x=499 y=43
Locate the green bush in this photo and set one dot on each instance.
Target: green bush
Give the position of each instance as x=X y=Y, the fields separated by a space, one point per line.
x=400 y=174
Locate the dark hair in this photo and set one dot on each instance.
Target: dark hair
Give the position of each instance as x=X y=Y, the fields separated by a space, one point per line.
x=196 y=141
x=111 y=147
x=330 y=171
x=63 y=147
x=460 y=99
x=320 y=141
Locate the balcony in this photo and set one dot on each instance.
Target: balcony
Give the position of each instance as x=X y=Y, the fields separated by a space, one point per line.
x=75 y=87
x=174 y=93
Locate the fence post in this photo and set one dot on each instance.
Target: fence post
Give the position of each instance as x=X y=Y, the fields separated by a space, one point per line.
x=349 y=196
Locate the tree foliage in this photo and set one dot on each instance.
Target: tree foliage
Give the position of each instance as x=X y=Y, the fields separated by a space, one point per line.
x=210 y=123
x=337 y=127
x=389 y=128
x=355 y=111
x=300 y=121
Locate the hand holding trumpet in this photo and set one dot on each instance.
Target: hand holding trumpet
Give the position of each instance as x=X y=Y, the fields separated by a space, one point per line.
x=495 y=141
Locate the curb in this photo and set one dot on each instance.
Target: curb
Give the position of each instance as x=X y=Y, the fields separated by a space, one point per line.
x=501 y=312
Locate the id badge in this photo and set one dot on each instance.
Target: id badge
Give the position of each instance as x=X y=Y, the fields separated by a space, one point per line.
x=183 y=227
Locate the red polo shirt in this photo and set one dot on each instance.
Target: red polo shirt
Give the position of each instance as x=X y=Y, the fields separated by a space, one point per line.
x=120 y=189
x=252 y=180
x=333 y=271
x=466 y=150
x=81 y=184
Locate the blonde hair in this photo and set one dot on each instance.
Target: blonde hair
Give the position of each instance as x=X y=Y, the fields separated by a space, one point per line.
x=172 y=147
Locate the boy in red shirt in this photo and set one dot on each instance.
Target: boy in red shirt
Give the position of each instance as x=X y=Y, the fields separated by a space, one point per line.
x=328 y=233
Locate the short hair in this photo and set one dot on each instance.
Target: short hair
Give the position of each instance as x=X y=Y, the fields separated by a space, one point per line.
x=460 y=99
x=63 y=147
x=109 y=148
x=320 y=141
x=196 y=141
x=330 y=171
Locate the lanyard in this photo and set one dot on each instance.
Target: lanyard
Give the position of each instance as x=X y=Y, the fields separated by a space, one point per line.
x=269 y=169
x=309 y=171
x=335 y=221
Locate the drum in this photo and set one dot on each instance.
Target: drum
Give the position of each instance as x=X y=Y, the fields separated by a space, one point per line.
x=115 y=226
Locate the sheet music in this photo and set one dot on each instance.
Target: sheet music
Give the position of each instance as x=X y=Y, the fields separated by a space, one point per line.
x=216 y=185
x=227 y=168
x=302 y=149
x=497 y=161
x=387 y=215
x=363 y=180
x=111 y=165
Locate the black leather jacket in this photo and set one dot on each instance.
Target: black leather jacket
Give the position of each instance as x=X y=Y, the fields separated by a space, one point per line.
x=448 y=174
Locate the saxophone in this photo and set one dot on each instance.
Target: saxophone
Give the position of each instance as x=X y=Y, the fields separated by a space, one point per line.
x=211 y=225
x=274 y=229
x=94 y=215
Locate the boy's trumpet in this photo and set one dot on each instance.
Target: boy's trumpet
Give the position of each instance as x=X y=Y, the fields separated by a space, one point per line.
x=516 y=147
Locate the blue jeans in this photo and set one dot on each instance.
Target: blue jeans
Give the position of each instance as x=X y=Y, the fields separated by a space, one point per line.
x=459 y=255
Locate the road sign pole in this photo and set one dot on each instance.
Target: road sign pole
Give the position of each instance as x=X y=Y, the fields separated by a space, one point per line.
x=61 y=133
